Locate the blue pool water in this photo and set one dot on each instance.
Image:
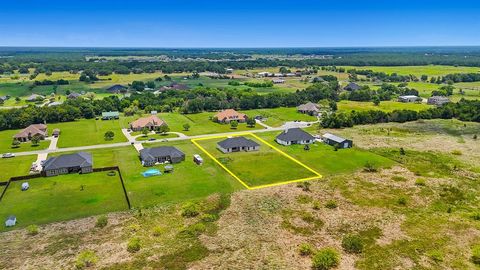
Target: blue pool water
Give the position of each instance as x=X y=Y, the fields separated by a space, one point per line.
x=151 y=172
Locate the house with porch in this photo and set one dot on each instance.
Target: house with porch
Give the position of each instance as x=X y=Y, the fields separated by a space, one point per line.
x=162 y=154
x=149 y=122
x=294 y=136
x=228 y=115
x=80 y=162
x=237 y=144
x=38 y=130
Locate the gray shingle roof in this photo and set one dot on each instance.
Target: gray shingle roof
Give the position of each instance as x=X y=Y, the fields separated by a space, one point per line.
x=80 y=159
x=237 y=142
x=116 y=87
x=294 y=134
x=309 y=106
x=352 y=86
x=150 y=154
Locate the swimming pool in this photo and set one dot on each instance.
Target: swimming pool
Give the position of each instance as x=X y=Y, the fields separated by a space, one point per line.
x=151 y=172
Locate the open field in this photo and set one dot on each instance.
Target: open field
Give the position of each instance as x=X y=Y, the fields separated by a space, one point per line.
x=187 y=182
x=62 y=197
x=430 y=70
x=15 y=166
x=386 y=106
x=89 y=131
x=278 y=116
x=257 y=168
x=6 y=139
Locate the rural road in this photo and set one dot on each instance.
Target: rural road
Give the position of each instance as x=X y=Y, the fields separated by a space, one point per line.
x=138 y=144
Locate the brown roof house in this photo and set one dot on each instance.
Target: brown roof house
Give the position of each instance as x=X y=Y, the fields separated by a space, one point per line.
x=309 y=108
x=29 y=132
x=150 y=122
x=228 y=115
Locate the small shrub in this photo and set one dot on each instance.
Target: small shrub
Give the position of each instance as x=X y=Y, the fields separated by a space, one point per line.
x=102 y=221
x=195 y=229
x=402 y=201
x=305 y=249
x=331 y=204
x=316 y=205
x=476 y=255
x=190 y=210
x=370 y=167
x=85 y=259
x=304 y=199
x=325 y=259
x=435 y=255
x=476 y=216
x=133 y=245
x=157 y=231
x=420 y=182
x=475 y=136
x=402 y=151
x=457 y=152
x=307 y=217
x=305 y=186
x=399 y=178
x=208 y=217
x=352 y=244
x=32 y=229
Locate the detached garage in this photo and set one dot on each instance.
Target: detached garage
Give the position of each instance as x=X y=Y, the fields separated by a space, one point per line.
x=333 y=140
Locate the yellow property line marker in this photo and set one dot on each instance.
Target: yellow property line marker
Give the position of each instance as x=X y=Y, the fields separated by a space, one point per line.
x=318 y=176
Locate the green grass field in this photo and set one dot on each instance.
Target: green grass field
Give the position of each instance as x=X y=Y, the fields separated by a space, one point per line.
x=62 y=197
x=256 y=168
x=16 y=166
x=326 y=161
x=387 y=106
x=89 y=132
x=6 y=138
x=156 y=137
x=430 y=70
x=278 y=116
x=188 y=181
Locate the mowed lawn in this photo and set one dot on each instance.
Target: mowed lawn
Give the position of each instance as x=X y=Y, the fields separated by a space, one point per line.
x=16 y=166
x=387 y=106
x=188 y=181
x=278 y=116
x=200 y=123
x=430 y=70
x=6 y=139
x=88 y=132
x=326 y=161
x=256 y=168
x=62 y=197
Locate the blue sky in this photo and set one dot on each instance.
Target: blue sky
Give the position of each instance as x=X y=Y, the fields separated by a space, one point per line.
x=260 y=23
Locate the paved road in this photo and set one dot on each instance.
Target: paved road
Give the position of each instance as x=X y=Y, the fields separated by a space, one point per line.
x=138 y=144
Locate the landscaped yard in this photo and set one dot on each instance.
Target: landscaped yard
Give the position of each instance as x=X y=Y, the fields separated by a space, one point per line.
x=6 y=139
x=387 y=106
x=89 y=132
x=256 y=168
x=16 y=166
x=278 y=116
x=325 y=160
x=156 y=136
x=188 y=181
x=62 y=197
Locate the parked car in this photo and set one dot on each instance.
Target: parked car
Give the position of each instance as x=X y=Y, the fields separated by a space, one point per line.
x=8 y=155
x=152 y=139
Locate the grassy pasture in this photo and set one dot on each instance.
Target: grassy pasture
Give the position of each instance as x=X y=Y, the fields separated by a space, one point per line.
x=278 y=116
x=387 y=106
x=266 y=166
x=326 y=161
x=16 y=166
x=188 y=181
x=62 y=197
x=430 y=70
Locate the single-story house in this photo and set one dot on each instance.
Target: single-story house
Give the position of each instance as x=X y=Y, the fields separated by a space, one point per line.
x=149 y=122
x=73 y=95
x=117 y=88
x=80 y=162
x=229 y=70
x=438 y=100
x=39 y=130
x=409 y=98
x=309 y=108
x=34 y=97
x=11 y=221
x=56 y=133
x=352 y=87
x=237 y=144
x=228 y=115
x=333 y=140
x=110 y=115
x=55 y=103
x=162 y=154
x=264 y=74
x=294 y=136
x=278 y=81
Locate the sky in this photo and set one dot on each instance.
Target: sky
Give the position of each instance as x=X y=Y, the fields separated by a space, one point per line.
x=246 y=23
